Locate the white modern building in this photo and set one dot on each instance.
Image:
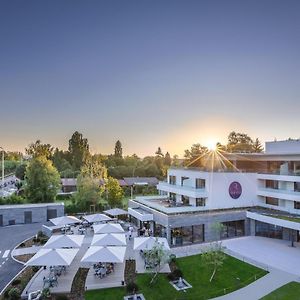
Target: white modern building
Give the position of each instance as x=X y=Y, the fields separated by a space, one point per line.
x=249 y=193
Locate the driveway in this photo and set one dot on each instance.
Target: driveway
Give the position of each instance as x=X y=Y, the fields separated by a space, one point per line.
x=10 y=237
x=276 y=254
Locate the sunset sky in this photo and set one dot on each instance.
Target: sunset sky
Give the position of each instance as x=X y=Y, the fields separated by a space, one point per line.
x=150 y=73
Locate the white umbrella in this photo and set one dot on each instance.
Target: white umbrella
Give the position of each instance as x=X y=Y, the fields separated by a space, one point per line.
x=109 y=239
x=108 y=228
x=96 y=218
x=147 y=243
x=115 y=212
x=64 y=241
x=66 y=220
x=104 y=254
x=53 y=257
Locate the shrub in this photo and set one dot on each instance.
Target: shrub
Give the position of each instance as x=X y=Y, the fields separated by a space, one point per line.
x=35 y=269
x=132 y=287
x=40 y=234
x=22 y=245
x=14 y=294
x=172 y=258
x=16 y=282
x=175 y=275
x=5 y=295
x=62 y=297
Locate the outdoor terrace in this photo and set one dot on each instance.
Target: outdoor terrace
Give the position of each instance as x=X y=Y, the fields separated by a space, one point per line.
x=165 y=205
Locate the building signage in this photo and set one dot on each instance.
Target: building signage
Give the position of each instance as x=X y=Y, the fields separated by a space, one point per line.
x=235 y=190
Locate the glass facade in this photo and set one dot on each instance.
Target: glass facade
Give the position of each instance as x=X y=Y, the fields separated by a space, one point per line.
x=268 y=230
x=187 y=235
x=296 y=205
x=200 y=201
x=172 y=179
x=233 y=229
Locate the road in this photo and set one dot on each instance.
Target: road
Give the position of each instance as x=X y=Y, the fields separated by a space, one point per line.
x=10 y=237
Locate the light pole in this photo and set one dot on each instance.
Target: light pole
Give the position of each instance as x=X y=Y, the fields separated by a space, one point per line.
x=2 y=166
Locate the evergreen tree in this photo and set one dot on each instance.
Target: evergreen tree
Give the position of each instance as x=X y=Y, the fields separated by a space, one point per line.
x=118 y=149
x=159 y=152
x=168 y=159
x=79 y=150
x=257 y=146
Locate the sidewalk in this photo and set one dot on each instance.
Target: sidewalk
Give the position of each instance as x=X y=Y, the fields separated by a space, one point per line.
x=23 y=251
x=261 y=287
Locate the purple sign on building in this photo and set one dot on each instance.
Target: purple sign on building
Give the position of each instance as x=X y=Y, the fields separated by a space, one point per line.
x=235 y=190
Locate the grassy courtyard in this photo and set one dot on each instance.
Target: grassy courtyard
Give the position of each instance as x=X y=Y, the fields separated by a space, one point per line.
x=233 y=275
x=290 y=291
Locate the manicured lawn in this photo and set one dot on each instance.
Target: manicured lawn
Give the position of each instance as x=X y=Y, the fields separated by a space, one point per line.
x=297 y=220
x=290 y=291
x=233 y=275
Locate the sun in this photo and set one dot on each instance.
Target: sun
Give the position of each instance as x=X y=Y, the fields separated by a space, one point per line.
x=211 y=145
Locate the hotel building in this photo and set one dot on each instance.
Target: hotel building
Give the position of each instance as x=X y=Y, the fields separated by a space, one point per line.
x=249 y=193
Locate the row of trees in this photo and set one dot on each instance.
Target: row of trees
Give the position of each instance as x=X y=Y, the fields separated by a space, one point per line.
x=236 y=143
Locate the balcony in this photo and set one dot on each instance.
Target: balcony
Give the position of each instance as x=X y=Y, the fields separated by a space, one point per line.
x=182 y=190
x=292 y=177
x=164 y=205
x=279 y=194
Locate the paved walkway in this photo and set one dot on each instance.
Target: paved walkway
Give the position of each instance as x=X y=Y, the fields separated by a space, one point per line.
x=260 y=287
x=29 y=250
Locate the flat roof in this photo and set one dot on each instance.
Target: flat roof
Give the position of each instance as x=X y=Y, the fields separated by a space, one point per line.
x=35 y=205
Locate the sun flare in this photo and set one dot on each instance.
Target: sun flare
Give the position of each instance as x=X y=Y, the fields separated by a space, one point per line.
x=211 y=145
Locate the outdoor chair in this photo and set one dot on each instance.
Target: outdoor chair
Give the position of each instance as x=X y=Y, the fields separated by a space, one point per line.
x=35 y=295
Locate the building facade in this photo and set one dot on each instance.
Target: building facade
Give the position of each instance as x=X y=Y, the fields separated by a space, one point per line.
x=30 y=213
x=254 y=194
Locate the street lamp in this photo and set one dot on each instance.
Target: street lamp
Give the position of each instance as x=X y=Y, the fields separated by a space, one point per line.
x=2 y=166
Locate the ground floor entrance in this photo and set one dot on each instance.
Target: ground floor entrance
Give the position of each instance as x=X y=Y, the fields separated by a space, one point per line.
x=187 y=235
x=268 y=230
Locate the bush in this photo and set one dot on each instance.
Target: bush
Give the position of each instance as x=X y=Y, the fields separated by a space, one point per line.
x=132 y=287
x=175 y=275
x=62 y=297
x=16 y=282
x=172 y=258
x=35 y=269
x=14 y=294
x=22 y=245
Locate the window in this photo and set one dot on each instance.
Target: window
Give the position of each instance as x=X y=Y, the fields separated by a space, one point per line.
x=200 y=201
x=185 y=200
x=272 y=201
x=172 y=196
x=187 y=235
x=232 y=229
x=200 y=183
x=272 y=184
x=268 y=230
x=297 y=186
x=172 y=179
x=183 y=179
x=296 y=205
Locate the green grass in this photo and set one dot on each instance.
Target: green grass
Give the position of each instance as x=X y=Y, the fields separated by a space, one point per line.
x=290 y=291
x=196 y=274
x=297 y=220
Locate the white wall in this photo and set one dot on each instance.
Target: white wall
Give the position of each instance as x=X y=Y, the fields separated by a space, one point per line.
x=217 y=185
x=283 y=147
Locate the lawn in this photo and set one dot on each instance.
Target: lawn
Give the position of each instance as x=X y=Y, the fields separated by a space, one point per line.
x=233 y=275
x=290 y=291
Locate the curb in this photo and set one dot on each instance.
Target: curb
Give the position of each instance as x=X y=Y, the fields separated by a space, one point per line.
x=11 y=253
x=24 y=267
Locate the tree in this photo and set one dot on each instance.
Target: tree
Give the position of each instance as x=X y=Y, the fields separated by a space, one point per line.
x=60 y=161
x=114 y=192
x=214 y=257
x=88 y=192
x=79 y=150
x=257 y=146
x=94 y=168
x=168 y=159
x=20 y=171
x=194 y=155
x=38 y=149
x=239 y=142
x=158 y=152
x=156 y=258
x=175 y=161
x=42 y=180
x=118 y=149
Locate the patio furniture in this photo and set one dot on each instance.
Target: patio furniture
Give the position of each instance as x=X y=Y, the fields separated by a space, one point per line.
x=35 y=295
